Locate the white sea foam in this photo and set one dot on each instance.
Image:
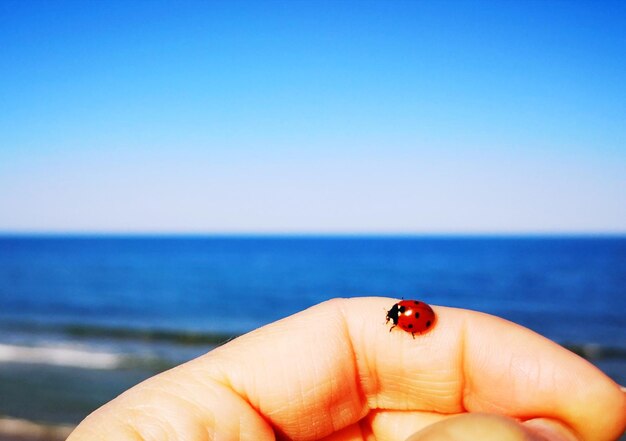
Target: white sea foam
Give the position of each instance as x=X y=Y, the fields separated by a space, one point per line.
x=59 y=356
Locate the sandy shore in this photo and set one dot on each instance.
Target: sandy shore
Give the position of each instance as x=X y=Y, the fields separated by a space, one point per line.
x=21 y=430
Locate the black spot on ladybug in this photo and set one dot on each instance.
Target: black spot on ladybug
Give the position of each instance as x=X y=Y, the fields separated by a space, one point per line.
x=416 y=302
x=402 y=309
x=428 y=324
x=417 y=315
x=410 y=325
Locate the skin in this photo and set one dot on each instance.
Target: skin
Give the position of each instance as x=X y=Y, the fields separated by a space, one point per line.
x=335 y=372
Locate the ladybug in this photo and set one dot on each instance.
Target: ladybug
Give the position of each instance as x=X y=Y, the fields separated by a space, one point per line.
x=412 y=316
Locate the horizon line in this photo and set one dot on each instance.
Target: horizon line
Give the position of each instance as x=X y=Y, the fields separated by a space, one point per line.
x=303 y=234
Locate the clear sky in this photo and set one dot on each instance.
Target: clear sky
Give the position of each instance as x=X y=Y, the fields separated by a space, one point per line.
x=312 y=116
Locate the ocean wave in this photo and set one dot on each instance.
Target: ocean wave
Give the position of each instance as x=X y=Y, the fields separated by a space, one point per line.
x=103 y=331
x=60 y=356
x=182 y=337
x=593 y=351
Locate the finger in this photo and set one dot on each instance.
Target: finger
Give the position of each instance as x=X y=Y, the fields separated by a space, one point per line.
x=336 y=361
x=322 y=370
x=480 y=363
x=423 y=426
x=470 y=427
x=548 y=429
x=485 y=427
x=177 y=406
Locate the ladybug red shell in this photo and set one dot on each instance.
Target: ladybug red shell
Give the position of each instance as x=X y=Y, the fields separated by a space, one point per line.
x=412 y=316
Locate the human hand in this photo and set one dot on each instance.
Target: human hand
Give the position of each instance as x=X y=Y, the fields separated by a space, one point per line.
x=335 y=372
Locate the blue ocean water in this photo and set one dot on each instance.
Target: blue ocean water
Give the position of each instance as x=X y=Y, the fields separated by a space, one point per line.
x=142 y=297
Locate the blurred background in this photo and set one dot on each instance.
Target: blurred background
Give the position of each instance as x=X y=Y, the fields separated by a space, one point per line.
x=162 y=162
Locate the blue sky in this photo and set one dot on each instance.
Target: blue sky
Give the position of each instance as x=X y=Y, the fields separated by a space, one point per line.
x=319 y=117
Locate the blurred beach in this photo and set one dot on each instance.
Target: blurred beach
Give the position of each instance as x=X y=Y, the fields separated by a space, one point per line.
x=84 y=318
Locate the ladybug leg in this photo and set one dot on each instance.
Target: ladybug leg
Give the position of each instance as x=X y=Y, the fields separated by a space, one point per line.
x=392 y=328
x=413 y=334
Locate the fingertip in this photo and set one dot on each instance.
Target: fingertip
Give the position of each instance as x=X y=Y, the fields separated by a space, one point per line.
x=490 y=427
x=551 y=430
x=474 y=426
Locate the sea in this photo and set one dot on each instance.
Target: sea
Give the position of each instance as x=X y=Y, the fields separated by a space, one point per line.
x=82 y=318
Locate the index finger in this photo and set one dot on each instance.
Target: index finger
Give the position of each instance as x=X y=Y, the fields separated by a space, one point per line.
x=325 y=368
x=337 y=361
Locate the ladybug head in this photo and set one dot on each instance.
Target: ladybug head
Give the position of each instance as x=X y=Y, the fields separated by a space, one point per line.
x=392 y=314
